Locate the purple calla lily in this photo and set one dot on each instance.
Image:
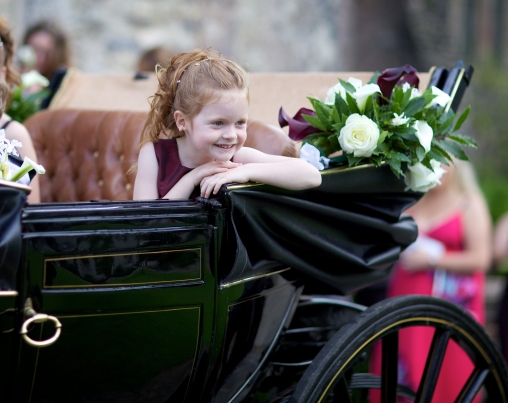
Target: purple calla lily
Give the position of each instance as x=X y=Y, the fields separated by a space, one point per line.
x=299 y=128
x=397 y=76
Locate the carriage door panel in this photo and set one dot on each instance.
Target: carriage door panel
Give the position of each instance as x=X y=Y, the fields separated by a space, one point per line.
x=130 y=302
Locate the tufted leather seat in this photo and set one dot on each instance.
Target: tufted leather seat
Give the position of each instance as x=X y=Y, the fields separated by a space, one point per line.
x=86 y=153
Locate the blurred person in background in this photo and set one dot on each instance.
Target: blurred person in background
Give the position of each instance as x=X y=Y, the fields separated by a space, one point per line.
x=152 y=57
x=14 y=130
x=501 y=258
x=46 y=50
x=448 y=260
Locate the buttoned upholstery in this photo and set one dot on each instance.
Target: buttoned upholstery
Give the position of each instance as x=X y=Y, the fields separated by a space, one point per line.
x=86 y=153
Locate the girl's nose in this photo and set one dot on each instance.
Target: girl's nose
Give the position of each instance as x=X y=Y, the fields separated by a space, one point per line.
x=229 y=133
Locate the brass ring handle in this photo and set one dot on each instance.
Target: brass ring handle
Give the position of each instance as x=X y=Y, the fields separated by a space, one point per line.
x=41 y=318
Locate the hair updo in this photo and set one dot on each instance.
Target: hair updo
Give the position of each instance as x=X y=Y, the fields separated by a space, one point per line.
x=190 y=82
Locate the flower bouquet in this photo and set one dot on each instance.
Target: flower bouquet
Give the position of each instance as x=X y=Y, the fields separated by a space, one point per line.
x=12 y=167
x=26 y=99
x=385 y=121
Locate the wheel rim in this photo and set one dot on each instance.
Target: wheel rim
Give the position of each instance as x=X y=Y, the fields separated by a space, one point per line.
x=346 y=376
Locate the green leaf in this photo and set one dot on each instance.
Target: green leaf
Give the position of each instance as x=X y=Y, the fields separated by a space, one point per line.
x=341 y=105
x=439 y=155
x=453 y=148
x=461 y=119
x=420 y=153
x=335 y=115
x=414 y=106
x=382 y=136
x=334 y=142
x=464 y=140
x=315 y=122
x=395 y=166
x=446 y=125
x=322 y=112
x=399 y=156
x=347 y=86
x=352 y=160
x=353 y=106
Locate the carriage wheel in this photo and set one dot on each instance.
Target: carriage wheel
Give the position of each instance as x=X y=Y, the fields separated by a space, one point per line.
x=340 y=372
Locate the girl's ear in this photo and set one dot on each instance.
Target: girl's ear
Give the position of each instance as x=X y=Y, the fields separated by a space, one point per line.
x=180 y=121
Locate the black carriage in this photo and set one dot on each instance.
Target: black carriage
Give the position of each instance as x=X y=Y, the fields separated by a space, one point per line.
x=242 y=298
x=234 y=299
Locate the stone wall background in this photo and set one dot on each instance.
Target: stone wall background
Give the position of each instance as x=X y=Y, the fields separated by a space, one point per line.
x=265 y=35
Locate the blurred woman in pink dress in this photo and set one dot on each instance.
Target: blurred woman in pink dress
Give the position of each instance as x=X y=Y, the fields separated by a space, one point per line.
x=449 y=260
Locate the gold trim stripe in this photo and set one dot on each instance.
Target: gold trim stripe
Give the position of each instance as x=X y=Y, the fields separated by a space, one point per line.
x=10 y=293
x=409 y=320
x=244 y=280
x=120 y=284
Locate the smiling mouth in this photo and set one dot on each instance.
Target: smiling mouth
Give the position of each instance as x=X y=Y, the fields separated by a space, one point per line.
x=225 y=146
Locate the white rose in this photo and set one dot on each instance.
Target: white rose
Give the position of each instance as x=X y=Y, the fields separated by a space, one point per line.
x=363 y=93
x=399 y=120
x=359 y=135
x=424 y=133
x=339 y=89
x=442 y=99
x=33 y=78
x=419 y=178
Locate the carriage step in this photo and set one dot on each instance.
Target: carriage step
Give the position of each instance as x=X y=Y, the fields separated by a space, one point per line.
x=371 y=381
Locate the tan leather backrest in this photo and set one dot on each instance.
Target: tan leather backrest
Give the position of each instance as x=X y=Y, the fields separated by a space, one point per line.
x=86 y=153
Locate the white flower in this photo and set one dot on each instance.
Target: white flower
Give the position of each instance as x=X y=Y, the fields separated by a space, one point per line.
x=442 y=99
x=424 y=133
x=399 y=120
x=419 y=178
x=339 y=89
x=414 y=91
x=33 y=78
x=363 y=93
x=359 y=136
x=26 y=167
x=312 y=155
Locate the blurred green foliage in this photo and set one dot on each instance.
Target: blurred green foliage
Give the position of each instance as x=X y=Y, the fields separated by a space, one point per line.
x=488 y=123
x=21 y=107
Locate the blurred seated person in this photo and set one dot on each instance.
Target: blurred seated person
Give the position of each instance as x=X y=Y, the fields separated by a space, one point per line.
x=46 y=50
x=501 y=258
x=14 y=130
x=152 y=57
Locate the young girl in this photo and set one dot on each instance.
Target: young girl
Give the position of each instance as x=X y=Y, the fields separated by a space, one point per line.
x=201 y=105
x=13 y=129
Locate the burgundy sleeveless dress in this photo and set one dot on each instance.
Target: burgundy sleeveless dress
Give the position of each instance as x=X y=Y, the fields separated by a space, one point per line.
x=170 y=168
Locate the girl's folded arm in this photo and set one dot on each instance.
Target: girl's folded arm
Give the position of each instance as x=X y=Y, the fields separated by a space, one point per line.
x=145 y=185
x=285 y=172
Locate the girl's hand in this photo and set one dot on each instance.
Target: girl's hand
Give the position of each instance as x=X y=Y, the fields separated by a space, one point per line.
x=212 y=184
x=211 y=168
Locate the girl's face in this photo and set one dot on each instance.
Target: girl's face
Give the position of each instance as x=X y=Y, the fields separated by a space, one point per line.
x=220 y=129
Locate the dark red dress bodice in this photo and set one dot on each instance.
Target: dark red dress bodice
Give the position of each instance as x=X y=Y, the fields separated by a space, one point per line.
x=170 y=168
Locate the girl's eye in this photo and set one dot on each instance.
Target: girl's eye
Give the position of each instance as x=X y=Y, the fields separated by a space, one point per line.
x=218 y=123
x=240 y=123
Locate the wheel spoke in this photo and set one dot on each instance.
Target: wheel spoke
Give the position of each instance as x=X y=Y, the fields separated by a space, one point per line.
x=472 y=386
x=389 y=365
x=433 y=366
x=341 y=391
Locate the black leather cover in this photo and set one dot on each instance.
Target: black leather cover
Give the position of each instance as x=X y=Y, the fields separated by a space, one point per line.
x=12 y=201
x=347 y=233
